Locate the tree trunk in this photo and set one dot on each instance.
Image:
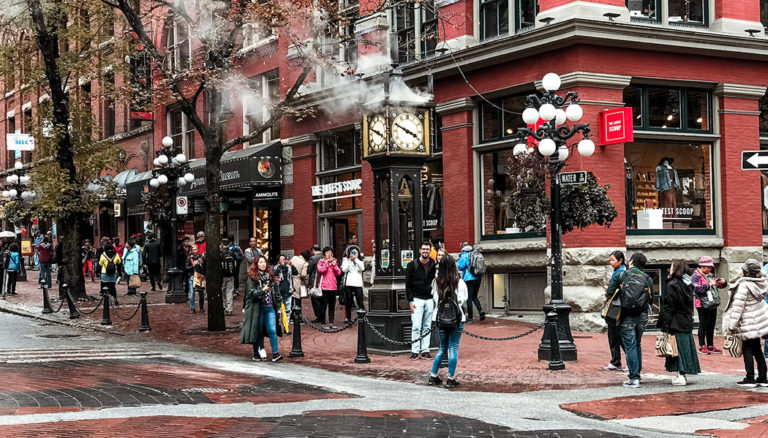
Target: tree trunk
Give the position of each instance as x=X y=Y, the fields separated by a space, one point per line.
x=213 y=150
x=71 y=272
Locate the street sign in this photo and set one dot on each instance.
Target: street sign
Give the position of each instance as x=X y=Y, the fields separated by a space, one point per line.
x=20 y=142
x=571 y=178
x=754 y=160
x=182 y=205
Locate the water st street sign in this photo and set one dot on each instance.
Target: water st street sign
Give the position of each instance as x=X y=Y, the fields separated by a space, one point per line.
x=572 y=178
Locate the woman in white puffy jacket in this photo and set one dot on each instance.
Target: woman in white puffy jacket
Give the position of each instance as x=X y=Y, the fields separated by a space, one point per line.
x=353 y=268
x=747 y=318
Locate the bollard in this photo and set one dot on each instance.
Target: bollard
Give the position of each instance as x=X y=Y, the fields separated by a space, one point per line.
x=296 y=316
x=555 y=362
x=46 y=300
x=144 y=315
x=105 y=320
x=73 y=313
x=362 y=344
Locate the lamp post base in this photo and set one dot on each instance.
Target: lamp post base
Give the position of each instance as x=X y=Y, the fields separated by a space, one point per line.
x=176 y=292
x=567 y=347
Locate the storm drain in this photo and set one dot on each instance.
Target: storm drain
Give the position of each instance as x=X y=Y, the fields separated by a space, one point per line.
x=208 y=390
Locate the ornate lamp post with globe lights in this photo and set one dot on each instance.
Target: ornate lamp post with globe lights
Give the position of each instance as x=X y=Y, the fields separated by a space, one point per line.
x=16 y=190
x=552 y=136
x=172 y=167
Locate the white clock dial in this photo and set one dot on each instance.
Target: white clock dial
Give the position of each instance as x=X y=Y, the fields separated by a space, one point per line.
x=377 y=133
x=407 y=131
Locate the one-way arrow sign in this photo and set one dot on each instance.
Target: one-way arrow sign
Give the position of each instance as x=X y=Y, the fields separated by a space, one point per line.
x=754 y=160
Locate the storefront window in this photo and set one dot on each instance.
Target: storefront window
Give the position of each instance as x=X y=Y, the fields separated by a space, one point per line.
x=501 y=118
x=665 y=108
x=669 y=186
x=346 y=197
x=341 y=149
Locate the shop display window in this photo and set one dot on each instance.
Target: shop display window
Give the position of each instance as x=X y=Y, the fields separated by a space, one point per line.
x=667 y=108
x=668 y=186
x=500 y=118
x=340 y=149
x=343 y=200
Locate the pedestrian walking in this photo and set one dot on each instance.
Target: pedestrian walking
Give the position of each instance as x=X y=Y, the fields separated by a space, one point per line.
x=300 y=262
x=353 y=268
x=109 y=263
x=38 y=239
x=472 y=278
x=617 y=262
x=12 y=269
x=131 y=262
x=44 y=253
x=746 y=317
x=228 y=272
x=199 y=279
x=707 y=289
x=448 y=288
x=328 y=270
x=313 y=281
x=419 y=275
x=120 y=249
x=189 y=269
x=152 y=257
x=238 y=253
x=252 y=252
x=86 y=254
x=200 y=242
x=676 y=318
x=260 y=311
x=284 y=273
x=636 y=292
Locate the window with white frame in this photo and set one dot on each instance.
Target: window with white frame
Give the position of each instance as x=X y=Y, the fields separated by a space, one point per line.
x=497 y=17
x=257 y=105
x=414 y=22
x=180 y=129
x=339 y=43
x=404 y=26
x=179 y=45
x=678 y=11
x=255 y=34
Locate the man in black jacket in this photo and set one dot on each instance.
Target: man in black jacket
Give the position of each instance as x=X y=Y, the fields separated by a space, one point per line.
x=152 y=258
x=313 y=281
x=419 y=275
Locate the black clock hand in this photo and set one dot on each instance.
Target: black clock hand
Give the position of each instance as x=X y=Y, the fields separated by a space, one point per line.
x=406 y=130
x=377 y=133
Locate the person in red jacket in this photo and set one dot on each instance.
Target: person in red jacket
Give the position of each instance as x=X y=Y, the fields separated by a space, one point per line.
x=44 y=256
x=200 y=242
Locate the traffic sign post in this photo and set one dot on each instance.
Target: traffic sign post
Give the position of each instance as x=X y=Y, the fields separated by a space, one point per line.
x=573 y=178
x=754 y=160
x=182 y=205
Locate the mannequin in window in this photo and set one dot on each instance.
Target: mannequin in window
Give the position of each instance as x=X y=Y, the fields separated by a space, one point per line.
x=667 y=184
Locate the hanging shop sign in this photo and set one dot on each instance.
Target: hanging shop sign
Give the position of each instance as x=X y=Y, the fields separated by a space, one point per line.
x=20 y=142
x=337 y=190
x=616 y=126
x=266 y=195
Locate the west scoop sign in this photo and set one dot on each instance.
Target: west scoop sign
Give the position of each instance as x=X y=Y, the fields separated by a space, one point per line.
x=20 y=142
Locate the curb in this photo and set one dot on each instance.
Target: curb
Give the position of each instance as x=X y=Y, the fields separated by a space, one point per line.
x=25 y=311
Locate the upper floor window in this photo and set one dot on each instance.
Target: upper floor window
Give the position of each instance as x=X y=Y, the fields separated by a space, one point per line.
x=405 y=29
x=662 y=108
x=763 y=104
x=415 y=22
x=340 y=149
x=764 y=13
x=339 y=44
x=526 y=14
x=180 y=129
x=500 y=118
x=428 y=12
x=254 y=34
x=678 y=11
x=494 y=18
x=257 y=106
x=179 y=45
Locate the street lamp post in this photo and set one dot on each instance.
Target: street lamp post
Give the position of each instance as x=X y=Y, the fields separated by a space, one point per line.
x=172 y=167
x=552 y=136
x=16 y=190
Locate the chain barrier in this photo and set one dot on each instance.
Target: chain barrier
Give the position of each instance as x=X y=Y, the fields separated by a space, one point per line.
x=114 y=309
x=61 y=304
x=392 y=341
x=92 y=311
x=324 y=330
x=508 y=338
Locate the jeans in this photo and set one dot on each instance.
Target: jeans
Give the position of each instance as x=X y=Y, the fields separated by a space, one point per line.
x=268 y=321
x=329 y=303
x=356 y=293
x=614 y=342
x=45 y=274
x=449 y=344
x=707 y=320
x=632 y=328
x=421 y=321
x=752 y=352
x=191 y=291
x=473 y=287
x=228 y=287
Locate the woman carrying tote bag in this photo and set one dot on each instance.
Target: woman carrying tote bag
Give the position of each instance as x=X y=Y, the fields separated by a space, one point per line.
x=676 y=319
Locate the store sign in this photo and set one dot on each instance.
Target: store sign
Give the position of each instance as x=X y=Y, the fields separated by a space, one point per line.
x=337 y=188
x=20 y=142
x=754 y=160
x=118 y=209
x=267 y=195
x=141 y=115
x=182 y=205
x=573 y=178
x=616 y=126
x=199 y=206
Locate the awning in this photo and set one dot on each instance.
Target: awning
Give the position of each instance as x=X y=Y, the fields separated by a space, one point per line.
x=134 y=187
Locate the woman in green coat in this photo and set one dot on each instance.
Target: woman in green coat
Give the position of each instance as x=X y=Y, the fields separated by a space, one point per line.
x=260 y=308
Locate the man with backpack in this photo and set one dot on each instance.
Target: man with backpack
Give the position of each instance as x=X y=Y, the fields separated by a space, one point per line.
x=636 y=292
x=472 y=265
x=419 y=275
x=228 y=272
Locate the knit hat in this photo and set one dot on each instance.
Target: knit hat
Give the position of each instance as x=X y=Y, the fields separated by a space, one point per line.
x=706 y=261
x=751 y=268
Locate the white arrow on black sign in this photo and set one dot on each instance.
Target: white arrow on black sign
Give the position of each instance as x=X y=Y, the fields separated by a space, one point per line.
x=754 y=160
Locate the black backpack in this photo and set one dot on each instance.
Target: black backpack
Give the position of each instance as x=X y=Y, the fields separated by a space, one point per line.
x=228 y=262
x=111 y=268
x=635 y=293
x=448 y=314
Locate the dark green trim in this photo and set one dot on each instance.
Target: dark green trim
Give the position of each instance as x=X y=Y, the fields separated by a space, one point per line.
x=645 y=110
x=670 y=232
x=512 y=236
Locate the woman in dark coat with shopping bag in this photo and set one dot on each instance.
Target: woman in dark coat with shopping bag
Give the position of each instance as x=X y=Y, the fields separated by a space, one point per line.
x=676 y=318
x=260 y=308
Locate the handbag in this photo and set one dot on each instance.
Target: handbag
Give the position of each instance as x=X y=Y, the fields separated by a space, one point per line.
x=134 y=282
x=303 y=291
x=666 y=345
x=315 y=290
x=612 y=306
x=732 y=346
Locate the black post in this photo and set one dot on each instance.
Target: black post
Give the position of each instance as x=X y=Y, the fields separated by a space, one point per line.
x=105 y=319
x=144 y=315
x=46 y=299
x=362 y=344
x=555 y=363
x=73 y=313
x=296 y=350
x=22 y=270
x=556 y=304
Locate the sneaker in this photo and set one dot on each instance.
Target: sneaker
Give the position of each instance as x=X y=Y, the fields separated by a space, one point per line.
x=326 y=327
x=482 y=316
x=625 y=369
x=426 y=355
x=434 y=381
x=679 y=381
x=451 y=383
x=611 y=367
x=748 y=382
x=332 y=327
x=414 y=356
x=470 y=320
x=632 y=383
x=762 y=382
x=256 y=359
x=704 y=350
x=713 y=349
x=277 y=357
x=262 y=353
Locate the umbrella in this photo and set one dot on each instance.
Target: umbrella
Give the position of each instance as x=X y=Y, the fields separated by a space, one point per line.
x=7 y=234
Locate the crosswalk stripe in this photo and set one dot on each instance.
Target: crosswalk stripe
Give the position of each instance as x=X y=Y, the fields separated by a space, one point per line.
x=56 y=355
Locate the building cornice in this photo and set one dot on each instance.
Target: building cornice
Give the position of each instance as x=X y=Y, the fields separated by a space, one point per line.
x=371 y=23
x=455 y=106
x=588 y=79
x=740 y=90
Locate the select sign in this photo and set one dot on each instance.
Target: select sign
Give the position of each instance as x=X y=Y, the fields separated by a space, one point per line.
x=754 y=160
x=569 y=178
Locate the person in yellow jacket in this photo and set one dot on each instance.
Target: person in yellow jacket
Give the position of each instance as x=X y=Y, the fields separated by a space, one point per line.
x=109 y=262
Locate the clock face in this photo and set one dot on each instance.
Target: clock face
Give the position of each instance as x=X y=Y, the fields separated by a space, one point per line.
x=407 y=131
x=377 y=133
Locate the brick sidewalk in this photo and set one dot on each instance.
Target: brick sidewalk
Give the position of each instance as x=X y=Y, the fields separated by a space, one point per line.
x=509 y=366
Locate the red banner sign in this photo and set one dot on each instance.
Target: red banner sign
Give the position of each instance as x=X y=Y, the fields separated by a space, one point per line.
x=141 y=115
x=616 y=126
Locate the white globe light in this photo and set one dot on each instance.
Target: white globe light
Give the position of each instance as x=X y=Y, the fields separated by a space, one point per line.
x=24 y=179
x=173 y=161
x=17 y=165
x=574 y=112
x=181 y=182
x=13 y=193
x=154 y=183
x=156 y=163
x=6 y=194
x=547 y=147
x=547 y=112
x=562 y=153
x=14 y=179
x=559 y=116
x=551 y=82
x=162 y=159
x=9 y=179
x=162 y=179
x=24 y=195
x=586 y=147
x=519 y=149
x=167 y=141
x=181 y=158
x=530 y=116
x=189 y=177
